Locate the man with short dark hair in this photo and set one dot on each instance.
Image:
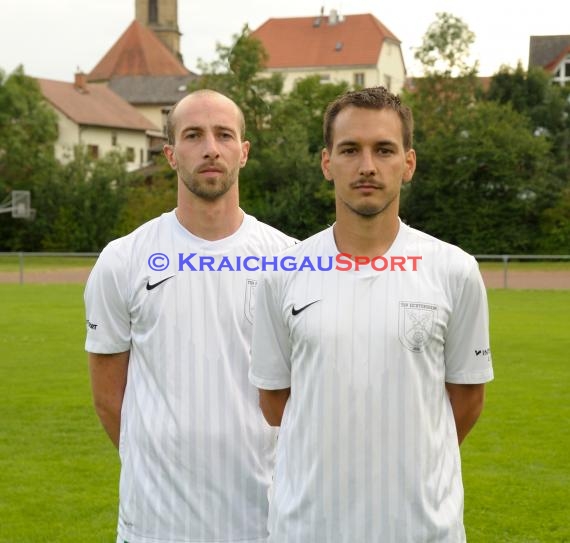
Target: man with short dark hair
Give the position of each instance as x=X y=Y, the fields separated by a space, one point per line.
x=374 y=370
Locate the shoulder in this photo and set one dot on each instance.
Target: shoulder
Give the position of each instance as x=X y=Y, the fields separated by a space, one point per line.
x=268 y=236
x=120 y=252
x=317 y=244
x=437 y=251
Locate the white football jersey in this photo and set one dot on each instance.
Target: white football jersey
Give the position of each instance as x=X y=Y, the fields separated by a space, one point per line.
x=196 y=454
x=368 y=448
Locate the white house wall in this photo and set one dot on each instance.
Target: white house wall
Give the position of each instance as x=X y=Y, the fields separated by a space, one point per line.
x=152 y=113
x=391 y=67
x=71 y=134
x=389 y=71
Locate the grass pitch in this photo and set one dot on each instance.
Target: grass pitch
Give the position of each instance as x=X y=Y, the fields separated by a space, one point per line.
x=59 y=472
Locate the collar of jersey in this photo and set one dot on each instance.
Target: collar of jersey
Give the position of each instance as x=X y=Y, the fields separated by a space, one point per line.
x=217 y=246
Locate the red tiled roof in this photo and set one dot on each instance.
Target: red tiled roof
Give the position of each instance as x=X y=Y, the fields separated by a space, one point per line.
x=95 y=105
x=137 y=52
x=553 y=64
x=300 y=43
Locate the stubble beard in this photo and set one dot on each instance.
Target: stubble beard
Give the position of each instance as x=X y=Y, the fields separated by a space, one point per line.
x=209 y=189
x=368 y=210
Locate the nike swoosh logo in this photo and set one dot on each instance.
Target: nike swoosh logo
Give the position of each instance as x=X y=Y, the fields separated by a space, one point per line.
x=297 y=311
x=150 y=287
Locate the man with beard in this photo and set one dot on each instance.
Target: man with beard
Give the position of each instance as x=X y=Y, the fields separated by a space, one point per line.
x=169 y=346
x=375 y=370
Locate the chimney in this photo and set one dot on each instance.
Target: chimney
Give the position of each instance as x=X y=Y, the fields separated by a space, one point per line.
x=80 y=83
x=333 y=17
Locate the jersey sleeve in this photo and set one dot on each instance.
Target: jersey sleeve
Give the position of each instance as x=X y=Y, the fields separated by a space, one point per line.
x=467 y=346
x=106 y=307
x=271 y=351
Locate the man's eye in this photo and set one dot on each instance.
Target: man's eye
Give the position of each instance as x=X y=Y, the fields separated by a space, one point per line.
x=348 y=151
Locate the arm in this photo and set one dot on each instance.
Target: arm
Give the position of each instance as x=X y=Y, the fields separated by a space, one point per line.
x=272 y=403
x=467 y=404
x=108 y=374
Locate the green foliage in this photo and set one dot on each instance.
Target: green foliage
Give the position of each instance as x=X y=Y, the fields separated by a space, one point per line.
x=79 y=207
x=445 y=47
x=148 y=196
x=481 y=180
x=77 y=204
x=555 y=226
x=491 y=166
x=28 y=131
x=236 y=73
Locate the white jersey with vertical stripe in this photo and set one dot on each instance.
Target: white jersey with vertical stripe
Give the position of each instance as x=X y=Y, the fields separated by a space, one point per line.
x=368 y=449
x=196 y=454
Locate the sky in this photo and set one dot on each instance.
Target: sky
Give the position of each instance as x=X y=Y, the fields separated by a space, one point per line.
x=54 y=38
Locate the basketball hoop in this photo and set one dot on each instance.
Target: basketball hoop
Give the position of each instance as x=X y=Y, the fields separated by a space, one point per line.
x=21 y=204
x=18 y=203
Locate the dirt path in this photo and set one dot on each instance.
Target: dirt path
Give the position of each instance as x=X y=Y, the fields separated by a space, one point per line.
x=516 y=279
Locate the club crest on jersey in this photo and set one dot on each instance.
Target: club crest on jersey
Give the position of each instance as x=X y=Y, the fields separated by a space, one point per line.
x=415 y=328
x=249 y=305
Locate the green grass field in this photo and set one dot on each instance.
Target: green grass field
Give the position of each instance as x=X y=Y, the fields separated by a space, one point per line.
x=59 y=472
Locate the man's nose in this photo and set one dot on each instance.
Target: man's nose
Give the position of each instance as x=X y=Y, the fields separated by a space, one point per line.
x=211 y=147
x=367 y=165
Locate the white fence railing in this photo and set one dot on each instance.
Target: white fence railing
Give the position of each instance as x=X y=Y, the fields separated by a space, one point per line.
x=19 y=273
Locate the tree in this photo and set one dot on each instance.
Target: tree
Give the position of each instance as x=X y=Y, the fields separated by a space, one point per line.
x=28 y=131
x=547 y=107
x=482 y=179
x=482 y=183
x=236 y=73
x=445 y=47
x=79 y=208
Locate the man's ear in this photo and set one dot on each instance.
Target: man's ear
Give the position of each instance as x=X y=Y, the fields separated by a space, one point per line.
x=410 y=166
x=168 y=151
x=325 y=164
x=244 y=153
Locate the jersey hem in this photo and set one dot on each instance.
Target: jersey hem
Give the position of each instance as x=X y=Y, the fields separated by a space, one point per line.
x=268 y=384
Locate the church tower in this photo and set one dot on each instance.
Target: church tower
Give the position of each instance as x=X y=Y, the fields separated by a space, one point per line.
x=161 y=16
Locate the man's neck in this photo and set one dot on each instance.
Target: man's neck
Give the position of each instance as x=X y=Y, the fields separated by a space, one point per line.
x=366 y=236
x=210 y=220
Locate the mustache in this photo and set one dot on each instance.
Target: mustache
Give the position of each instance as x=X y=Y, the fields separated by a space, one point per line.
x=210 y=165
x=363 y=181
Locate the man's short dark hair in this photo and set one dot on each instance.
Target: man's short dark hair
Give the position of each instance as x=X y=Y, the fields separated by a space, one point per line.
x=371 y=98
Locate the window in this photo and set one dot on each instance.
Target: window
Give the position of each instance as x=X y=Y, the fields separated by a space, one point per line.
x=93 y=151
x=130 y=154
x=152 y=11
x=562 y=74
x=388 y=82
x=325 y=78
x=359 y=79
x=114 y=139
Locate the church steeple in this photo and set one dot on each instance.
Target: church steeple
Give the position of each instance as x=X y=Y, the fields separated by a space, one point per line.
x=161 y=16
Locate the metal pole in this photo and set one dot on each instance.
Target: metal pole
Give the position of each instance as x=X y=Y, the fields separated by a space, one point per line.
x=21 y=260
x=505 y=271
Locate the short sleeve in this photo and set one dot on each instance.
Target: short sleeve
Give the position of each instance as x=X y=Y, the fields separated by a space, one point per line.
x=467 y=345
x=271 y=351
x=106 y=307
